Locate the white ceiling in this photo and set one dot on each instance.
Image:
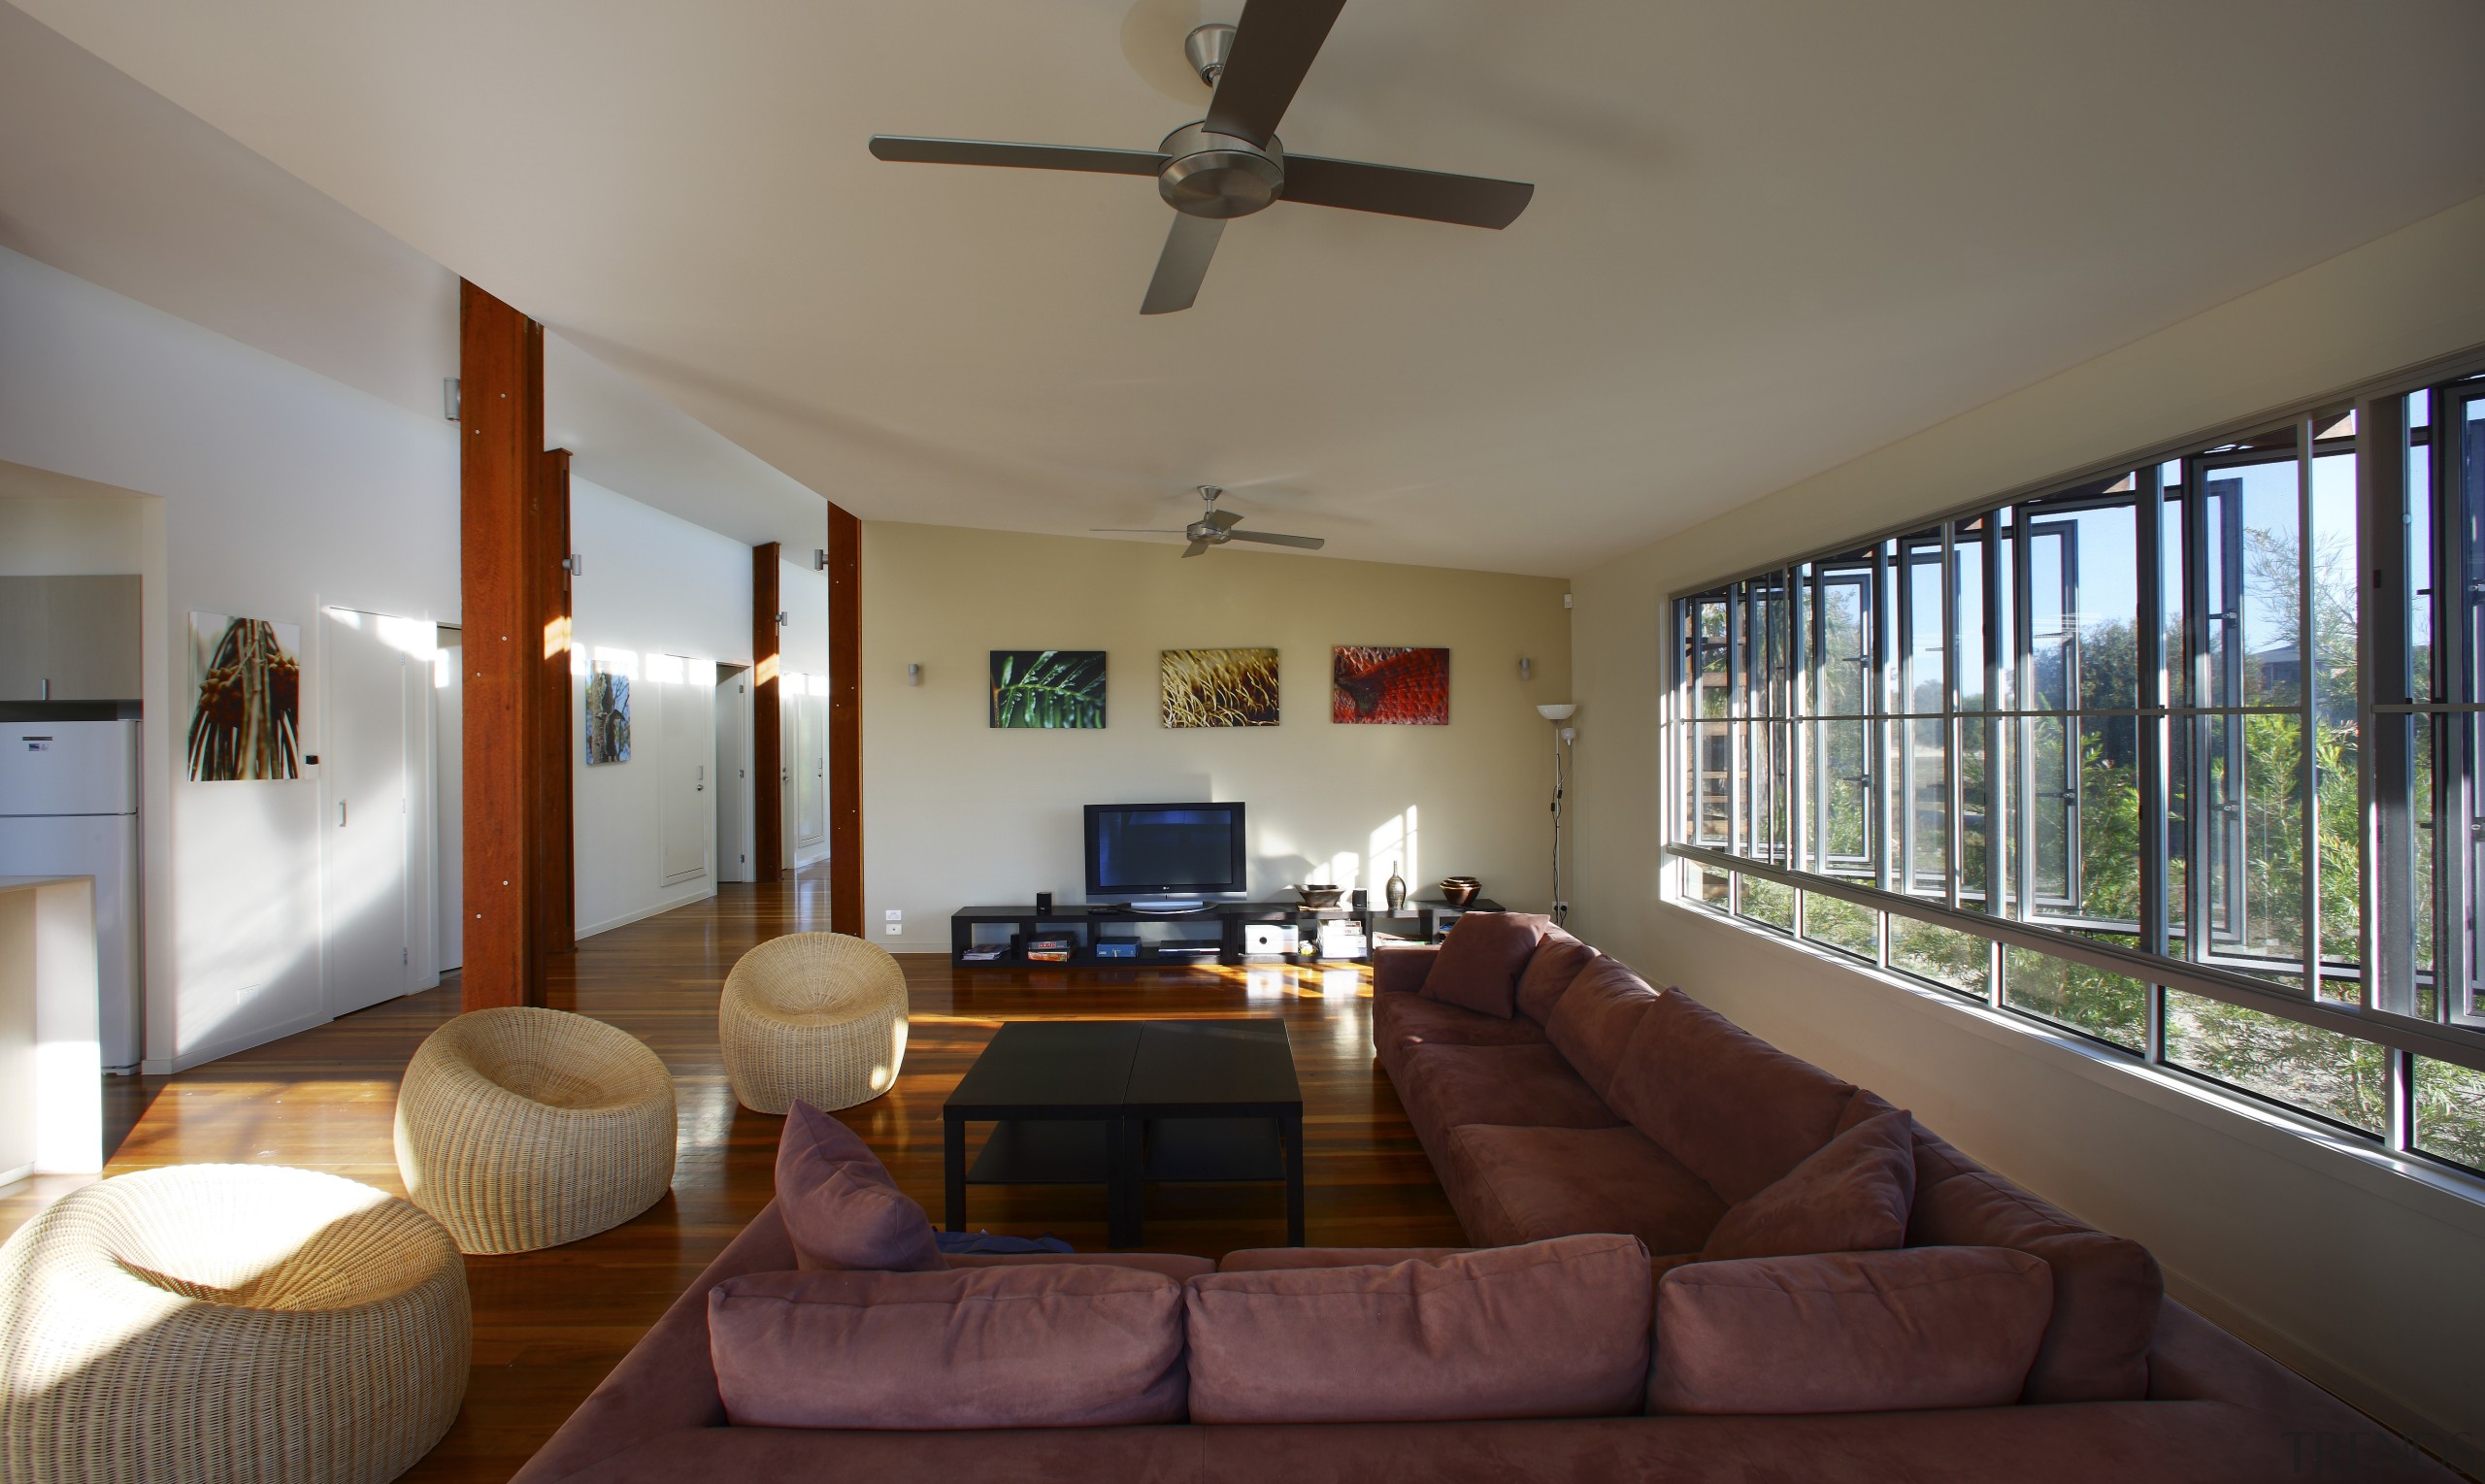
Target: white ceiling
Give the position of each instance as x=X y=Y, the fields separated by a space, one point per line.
x=103 y=178
x=1767 y=236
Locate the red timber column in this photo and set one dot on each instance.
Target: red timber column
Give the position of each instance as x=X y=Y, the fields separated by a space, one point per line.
x=510 y=609
x=845 y=724
x=767 y=734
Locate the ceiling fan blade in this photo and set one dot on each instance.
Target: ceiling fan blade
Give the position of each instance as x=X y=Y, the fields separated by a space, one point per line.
x=909 y=150
x=1182 y=264
x=1141 y=530
x=1195 y=549
x=1392 y=190
x=1274 y=45
x=1223 y=520
x=1275 y=539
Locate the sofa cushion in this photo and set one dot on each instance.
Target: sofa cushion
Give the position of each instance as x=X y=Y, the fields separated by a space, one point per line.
x=1479 y=964
x=1402 y=1021
x=1735 y=1108
x=1270 y=1259
x=1851 y=1194
x=1043 y=1345
x=1550 y=970
x=839 y=1204
x=2106 y=1290
x=1177 y=1266
x=1522 y=1184
x=1554 y=1328
x=1886 y=1332
x=1593 y=1021
x=1531 y=1086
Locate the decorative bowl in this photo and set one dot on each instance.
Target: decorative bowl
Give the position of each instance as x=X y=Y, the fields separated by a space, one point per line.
x=1319 y=895
x=1458 y=891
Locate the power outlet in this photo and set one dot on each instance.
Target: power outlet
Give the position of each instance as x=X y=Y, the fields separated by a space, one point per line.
x=893 y=922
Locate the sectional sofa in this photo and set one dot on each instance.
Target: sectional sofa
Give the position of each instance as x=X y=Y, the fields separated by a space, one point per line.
x=1698 y=1259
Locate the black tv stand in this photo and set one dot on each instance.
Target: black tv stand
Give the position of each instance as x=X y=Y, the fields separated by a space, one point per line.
x=1086 y=923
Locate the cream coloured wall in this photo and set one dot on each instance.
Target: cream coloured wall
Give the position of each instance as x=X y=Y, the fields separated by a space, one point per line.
x=956 y=813
x=2317 y=1250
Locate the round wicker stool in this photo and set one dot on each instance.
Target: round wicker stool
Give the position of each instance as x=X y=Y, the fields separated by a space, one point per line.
x=522 y=1128
x=820 y=1017
x=222 y=1322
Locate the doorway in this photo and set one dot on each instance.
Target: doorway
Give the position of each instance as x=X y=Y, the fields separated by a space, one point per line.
x=732 y=773
x=375 y=780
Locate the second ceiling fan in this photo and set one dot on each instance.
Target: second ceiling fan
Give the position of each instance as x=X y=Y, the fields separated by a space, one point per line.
x=1230 y=163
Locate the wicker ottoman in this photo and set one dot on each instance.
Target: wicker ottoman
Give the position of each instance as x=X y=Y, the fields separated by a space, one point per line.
x=222 y=1322
x=820 y=1017
x=522 y=1128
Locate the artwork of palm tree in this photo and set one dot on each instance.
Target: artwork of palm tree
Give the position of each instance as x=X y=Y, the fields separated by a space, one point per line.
x=1221 y=687
x=1052 y=688
x=246 y=722
x=608 y=718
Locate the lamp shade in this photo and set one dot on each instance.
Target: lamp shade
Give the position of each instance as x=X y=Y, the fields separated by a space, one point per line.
x=1561 y=712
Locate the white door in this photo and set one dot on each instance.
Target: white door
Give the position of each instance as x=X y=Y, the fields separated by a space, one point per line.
x=449 y=793
x=811 y=763
x=686 y=756
x=733 y=777
x=365 y=788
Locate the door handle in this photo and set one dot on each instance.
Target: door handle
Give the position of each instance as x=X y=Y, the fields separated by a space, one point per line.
x=341 y=813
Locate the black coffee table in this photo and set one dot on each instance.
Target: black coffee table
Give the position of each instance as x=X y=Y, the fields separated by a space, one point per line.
x=1120 y=1103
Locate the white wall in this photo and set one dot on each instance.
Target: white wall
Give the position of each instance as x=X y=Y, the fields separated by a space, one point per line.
x=655 y=586
x=956 y=813
x=2361 y=1276
x=283 y=491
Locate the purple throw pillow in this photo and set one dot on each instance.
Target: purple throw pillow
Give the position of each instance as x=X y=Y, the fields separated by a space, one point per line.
x=1479 y=964
x=1852 y=1195
x=840 y=1205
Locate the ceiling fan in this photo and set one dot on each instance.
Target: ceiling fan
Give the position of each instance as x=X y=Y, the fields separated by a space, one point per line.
x=1216 y=528
x=1230 y=163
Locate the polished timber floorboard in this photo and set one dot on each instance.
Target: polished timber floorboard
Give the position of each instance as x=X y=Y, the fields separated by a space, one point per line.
x=548 y=1325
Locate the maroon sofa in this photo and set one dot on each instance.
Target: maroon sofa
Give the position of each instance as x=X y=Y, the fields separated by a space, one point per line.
x=2126 y=1386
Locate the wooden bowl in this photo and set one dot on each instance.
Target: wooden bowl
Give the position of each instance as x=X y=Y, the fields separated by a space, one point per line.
x=1458 y=891
x=1319 y=895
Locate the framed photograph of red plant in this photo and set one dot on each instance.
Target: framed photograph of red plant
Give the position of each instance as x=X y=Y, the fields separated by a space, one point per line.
x=246 y=721
x=1372 y=685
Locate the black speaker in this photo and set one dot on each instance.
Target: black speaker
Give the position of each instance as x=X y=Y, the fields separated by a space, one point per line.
x=1043 y=902
x=1363 y=899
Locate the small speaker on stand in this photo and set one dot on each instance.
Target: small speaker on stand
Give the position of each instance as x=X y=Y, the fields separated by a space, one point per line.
x=1043 y=902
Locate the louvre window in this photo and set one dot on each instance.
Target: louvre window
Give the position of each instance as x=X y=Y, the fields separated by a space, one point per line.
x=2183 y=758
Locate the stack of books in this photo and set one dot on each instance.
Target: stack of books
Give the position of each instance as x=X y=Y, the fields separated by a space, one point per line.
x=985 y=953
x=1049 y=950
x=1343 y=939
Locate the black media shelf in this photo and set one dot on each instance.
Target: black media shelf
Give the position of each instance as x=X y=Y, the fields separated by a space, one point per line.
x=1084 y=925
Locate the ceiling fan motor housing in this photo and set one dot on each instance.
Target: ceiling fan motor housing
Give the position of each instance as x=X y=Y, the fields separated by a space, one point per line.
x=1220 y=175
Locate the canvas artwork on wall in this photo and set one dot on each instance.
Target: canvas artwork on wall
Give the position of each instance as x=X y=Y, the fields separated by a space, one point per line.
x=1377 y=686
x=608 y=718
x=1051 y=688
x=247 y=721
x=1219 y=687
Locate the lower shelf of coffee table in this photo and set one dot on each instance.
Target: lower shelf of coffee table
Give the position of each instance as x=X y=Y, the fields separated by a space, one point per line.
x=1076 y=1151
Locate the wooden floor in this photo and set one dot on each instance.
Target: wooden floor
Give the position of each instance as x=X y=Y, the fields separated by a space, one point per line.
x=550 y=1324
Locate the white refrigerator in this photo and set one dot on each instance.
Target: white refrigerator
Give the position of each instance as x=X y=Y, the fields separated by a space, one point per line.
x=69 y=807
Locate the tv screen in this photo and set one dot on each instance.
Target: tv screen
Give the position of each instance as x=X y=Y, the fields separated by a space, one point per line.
x=1168 y=848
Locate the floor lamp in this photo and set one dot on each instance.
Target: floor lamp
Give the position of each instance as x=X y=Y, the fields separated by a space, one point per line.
x=1562 y=739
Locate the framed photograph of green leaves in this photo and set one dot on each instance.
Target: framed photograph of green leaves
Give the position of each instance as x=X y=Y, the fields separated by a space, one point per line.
x=1053 y=688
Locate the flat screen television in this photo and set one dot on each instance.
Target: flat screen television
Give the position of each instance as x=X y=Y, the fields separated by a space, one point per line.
x=1165 y=851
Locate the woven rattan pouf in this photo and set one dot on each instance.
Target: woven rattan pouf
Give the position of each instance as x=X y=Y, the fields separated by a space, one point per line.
x=228 y=1322
x=820 y=1017
x=522 y=1128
